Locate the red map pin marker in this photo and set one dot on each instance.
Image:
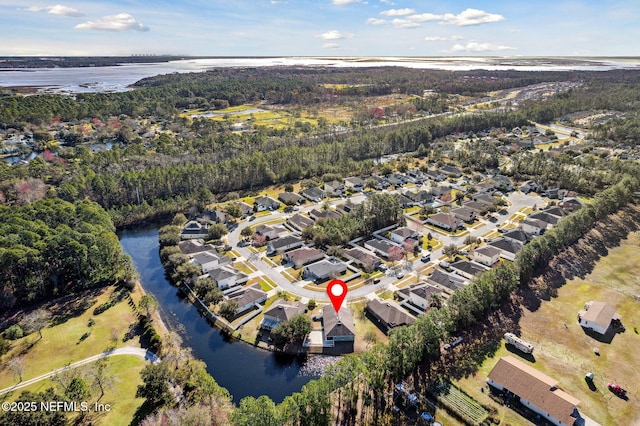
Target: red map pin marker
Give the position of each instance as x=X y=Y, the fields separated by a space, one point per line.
x=337 y=291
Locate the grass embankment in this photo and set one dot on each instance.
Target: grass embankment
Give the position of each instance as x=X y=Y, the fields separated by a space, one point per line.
x=70 y=338
x=563 y=350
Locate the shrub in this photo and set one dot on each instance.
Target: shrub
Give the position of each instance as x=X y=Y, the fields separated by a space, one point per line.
x=14 y=332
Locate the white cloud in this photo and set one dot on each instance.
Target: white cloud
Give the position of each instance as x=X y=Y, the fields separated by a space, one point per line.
x=334 y=35
x=474 y=46
x=343 y=2
x=330 y=46
x=278 y=2
x=119 y=22
x=58 y=9
x=403 y=23
x=397 y=12
x=465 y=18
x=440 y=38
x=375 y=21
x=389 y=2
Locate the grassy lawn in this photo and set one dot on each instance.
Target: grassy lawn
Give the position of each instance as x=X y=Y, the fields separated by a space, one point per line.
x=565 y=352
x=288 y=276
x=121 y=395
x=62 y=344
x=363 y=325
x=243 y=267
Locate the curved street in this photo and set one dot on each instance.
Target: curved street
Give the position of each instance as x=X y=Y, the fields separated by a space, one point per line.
x=517 y=201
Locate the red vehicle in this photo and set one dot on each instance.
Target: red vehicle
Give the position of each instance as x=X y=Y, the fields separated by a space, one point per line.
x=617 y=389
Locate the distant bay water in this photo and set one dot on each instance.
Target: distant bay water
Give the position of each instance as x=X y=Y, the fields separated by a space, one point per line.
x=120 y=78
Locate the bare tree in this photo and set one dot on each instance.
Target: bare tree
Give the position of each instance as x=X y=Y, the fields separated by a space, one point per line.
x=36 y=321
x=101 y=378
x=17 y=366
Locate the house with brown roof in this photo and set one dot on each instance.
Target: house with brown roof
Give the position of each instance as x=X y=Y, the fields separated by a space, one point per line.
x=299 y=222
x=290 y=198
x=598 y=316
x=464 y=214
x=363 y=258
x=324 y=214
x=445 y=221
x=388 y=314
x=271 y=232
x=281 y=311
x=303 y=255
x=282 y=244
x=420 y=294
x=247 y=298
x=535 y=390
x=451 y=282
x=194 y=246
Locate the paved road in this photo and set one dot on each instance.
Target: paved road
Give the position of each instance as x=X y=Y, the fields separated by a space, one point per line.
x=517 y=201
x=127 y=350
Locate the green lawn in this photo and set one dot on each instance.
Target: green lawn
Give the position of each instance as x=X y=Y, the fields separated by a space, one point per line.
x=62 y=344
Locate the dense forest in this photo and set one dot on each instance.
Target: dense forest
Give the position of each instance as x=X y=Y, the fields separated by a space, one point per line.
x=53 y=247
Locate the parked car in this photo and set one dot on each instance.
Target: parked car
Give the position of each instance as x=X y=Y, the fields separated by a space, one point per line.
x=453 y=343
x=444 y=264
x=399 y=274
x=252 y=218
x=426 y=258
x=382 y=268
x=376 y=281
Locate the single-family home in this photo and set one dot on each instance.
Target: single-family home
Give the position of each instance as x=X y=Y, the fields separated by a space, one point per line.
x=388 y=314
x=533 y=226
x=210 y=260
x=467 y=269
x=403 y=200
x=299 y=222
x=263 y=203
x=440 y=190
x=324 y=214
x=535 y=390
x=247 y=298
x=508 y=248
x=194 y=229
x=464 y=214
x=545 y=217
x=445 y=221
x=405 y=235
x=420 y=198
x=245 y=208
x=451 y=171
x=347 y=206
x=420 y=294
x=395 y=180
x=334 y=188
x=450 y=282
x=486 y=187
x=484 y=198
x=354 y=184
x=282 y=244
x=290 y=198
x=517 y=236
x=194 y=246
x=380 y=247
x=570 y=204
x=529 y=186
x=436 y=175
x=598 y=317
x=555 y=211
x=486 y=255
x=338 y=327
x=271 y=232
x=324 y=269
x=212 y=216
x=226 y=277
x=301 y=256
x=479 y=208
x=314 y=194
x=363 y=258
x=281 y=311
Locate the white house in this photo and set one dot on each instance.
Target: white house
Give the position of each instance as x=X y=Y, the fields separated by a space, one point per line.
x=248 y=298
x=598 y=316
x=210 y=260
x=420 y=294
x=281 y=311
x=536 y=391
x=227 y=276
x=486 y=255
x=400 y=235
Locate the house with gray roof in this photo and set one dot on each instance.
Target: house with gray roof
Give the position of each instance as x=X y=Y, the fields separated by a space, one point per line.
x=271 y=232
x=545 y=217
x=445 y=221
x=194 y=229
x=334 y=188
x=247 y=298
x=210 y=260
x=451 y=282
x=354 y=183
x=324 y=269
x=324 y=214
x=517 y=236
x=194 y=246
x=420 y=294
x=313 y=194
x=290 y=198
x=533 y=226
x=464 y=214
x=281 y=311
x=467 y=269
x=282 y=244
x=508 y=248
x=338 y=327
x=227 y=276
x=388 y=315
x=486 y=255
x=380 y=247
x=263 y=203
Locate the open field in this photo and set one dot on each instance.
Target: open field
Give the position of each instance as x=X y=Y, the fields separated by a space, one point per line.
x=120 y=395
x=66 y=342
x=565 y=352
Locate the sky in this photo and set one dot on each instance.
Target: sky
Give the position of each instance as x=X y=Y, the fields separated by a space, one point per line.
x=320 y=28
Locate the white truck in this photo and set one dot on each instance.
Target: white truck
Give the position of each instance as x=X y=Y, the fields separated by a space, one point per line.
x=520 y=344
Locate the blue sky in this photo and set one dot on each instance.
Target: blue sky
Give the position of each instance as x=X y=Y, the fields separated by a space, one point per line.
x=321 y=27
